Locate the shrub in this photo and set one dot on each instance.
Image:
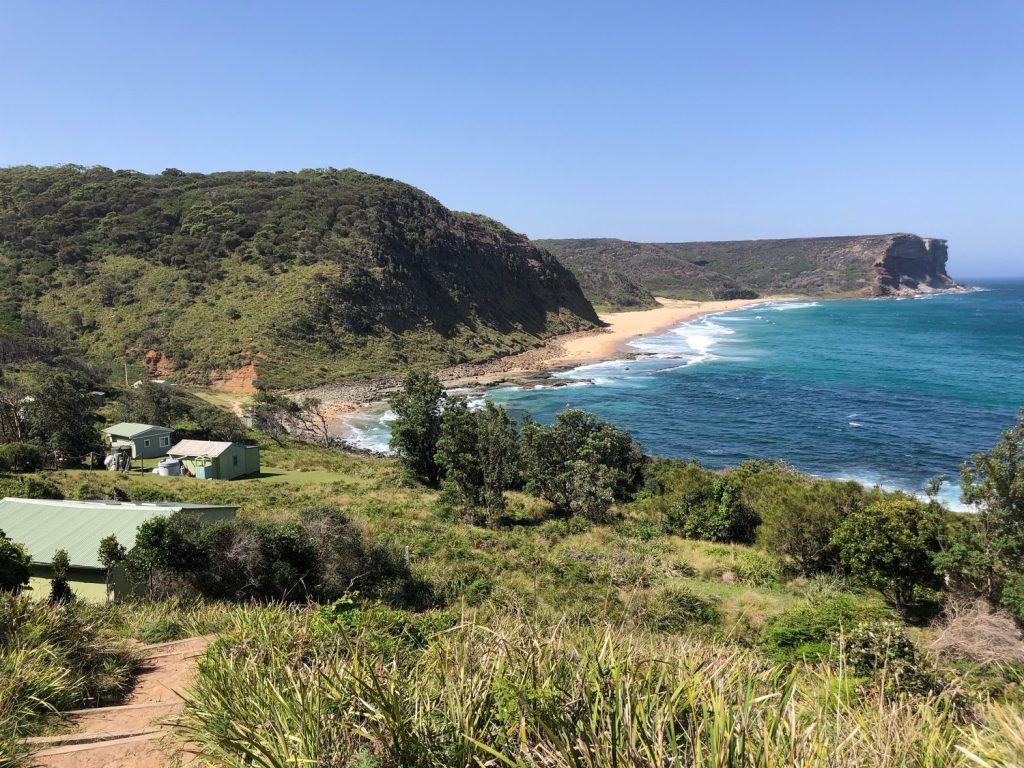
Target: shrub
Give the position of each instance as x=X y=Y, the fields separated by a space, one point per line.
x=14 y=565
x=675 y=608
x=159 y=631
x=321 y=555
x=707 y=506
x=60 y=590
x=799 y=515
x=581 y=464
x=807 y=632
x=29 y=487
x=20 y=457
x=883 y=649
x=150 y=493
x=890 y=546
x=88 y=491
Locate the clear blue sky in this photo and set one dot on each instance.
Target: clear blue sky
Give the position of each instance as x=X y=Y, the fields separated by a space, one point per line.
x=639 y=120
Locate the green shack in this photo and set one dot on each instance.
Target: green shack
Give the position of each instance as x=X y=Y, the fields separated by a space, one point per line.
x=209 y=460
x=44 y=526
x=145 y=440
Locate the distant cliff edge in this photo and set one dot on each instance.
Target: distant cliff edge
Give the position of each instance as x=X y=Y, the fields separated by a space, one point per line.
x=863 y=265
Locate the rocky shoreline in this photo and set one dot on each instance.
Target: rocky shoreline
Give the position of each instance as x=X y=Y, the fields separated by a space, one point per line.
x=530 y=365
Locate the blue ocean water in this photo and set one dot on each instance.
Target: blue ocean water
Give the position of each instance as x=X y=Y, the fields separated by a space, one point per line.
x=889 y=392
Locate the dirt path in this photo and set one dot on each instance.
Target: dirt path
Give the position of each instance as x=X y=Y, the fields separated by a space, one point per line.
x=131 y=735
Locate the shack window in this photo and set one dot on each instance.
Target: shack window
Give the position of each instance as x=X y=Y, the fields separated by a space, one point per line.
x=164 y=441
x=145 y=443
x=234 y=460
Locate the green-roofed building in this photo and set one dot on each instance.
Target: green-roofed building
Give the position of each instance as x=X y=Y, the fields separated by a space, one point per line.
x=44 y=526
x=145 y=440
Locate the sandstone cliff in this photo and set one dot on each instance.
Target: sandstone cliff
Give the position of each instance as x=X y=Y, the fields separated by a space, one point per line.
x=866 y=265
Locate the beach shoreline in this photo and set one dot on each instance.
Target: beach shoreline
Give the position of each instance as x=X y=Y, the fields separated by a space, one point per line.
x=558 y=354
x=622 y=328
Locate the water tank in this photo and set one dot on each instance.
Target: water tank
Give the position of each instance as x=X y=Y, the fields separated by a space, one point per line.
x=169 y=468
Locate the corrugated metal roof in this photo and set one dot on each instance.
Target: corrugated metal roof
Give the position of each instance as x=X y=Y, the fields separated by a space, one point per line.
x=44 y=526
x=198 y=448
x=131 y=430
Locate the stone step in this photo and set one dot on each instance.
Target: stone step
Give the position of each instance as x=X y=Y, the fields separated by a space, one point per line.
x=84 y=739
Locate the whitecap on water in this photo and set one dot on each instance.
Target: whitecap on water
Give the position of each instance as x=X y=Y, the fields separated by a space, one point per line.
x=784 y=306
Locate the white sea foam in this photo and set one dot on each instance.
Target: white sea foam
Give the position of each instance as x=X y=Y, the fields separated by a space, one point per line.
x=785 y=306
x=948 y=496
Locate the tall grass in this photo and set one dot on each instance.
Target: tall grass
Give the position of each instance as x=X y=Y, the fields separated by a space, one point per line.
x=274 y=694
x=53 y=658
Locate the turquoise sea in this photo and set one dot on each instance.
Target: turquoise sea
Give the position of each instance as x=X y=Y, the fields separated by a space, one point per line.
x=892 y=392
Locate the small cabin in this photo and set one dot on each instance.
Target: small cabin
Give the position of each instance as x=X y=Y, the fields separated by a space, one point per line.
x=145 y=440
x=44 y=526
x=209 y=460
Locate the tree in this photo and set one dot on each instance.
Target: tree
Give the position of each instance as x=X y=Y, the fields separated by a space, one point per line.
x=12 y=426
x=890 y=545
x=581 y=463
x=498 y=445
x=478 y=457
x=983 y=553
x=799 y=515
x=60 y=417
x=711 y=509
x=415 y=432
x=14 y=565
x=111 y=553
x=20 y=457
x=312 y=420
x=151 y=403
x=272 y=414
x=60 y=590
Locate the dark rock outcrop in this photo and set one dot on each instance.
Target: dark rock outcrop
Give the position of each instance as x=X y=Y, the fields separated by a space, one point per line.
x=911 y=264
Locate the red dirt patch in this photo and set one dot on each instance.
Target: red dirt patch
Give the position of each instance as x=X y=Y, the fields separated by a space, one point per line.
x=158 y=365
x=240 y=380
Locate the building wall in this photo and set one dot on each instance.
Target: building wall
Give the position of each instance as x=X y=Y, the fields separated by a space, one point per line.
x=88 y=585
x=139 y=448
x=252 y=460
x=154 y=450
x=231 y=463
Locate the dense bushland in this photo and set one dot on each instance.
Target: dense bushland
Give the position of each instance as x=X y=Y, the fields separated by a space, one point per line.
x=310 y=276
x=580 y=464
x=320 y=555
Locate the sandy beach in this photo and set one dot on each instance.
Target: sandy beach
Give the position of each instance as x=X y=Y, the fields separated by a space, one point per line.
x=623 y=327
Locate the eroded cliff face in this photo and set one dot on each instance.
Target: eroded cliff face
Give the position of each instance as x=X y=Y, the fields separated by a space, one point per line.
x=909 y=264
x=859 y=265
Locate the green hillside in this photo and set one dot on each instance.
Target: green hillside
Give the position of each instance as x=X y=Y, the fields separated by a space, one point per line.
x=612 y=290
x=820 y=266
x=310 y=277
